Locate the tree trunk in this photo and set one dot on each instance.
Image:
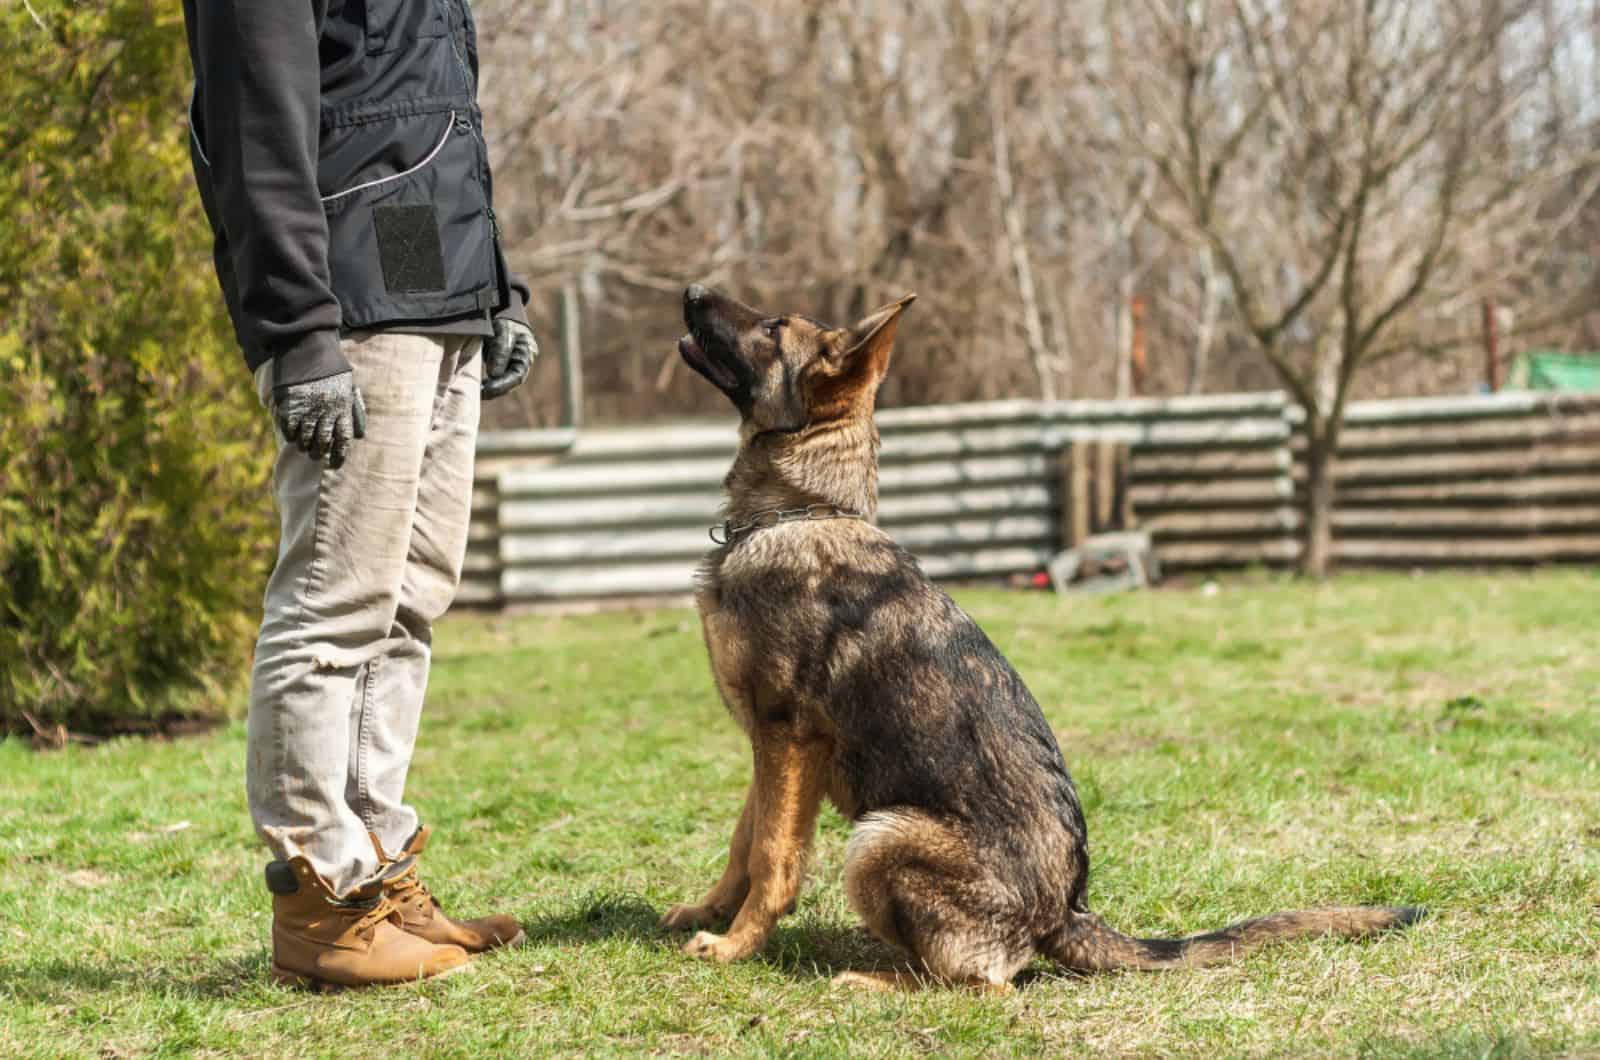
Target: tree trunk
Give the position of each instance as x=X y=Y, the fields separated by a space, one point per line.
x=1123 y=332
x=1321 y=442
x=1206 y=327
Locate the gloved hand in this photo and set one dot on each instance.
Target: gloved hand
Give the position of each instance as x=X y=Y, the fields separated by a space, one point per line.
x=507 y=358
x=322 y=417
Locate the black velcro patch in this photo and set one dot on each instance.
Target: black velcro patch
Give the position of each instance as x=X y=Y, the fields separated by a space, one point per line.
x=409 y=248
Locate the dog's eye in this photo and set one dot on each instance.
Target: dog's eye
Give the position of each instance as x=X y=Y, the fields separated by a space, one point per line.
x=770 y=328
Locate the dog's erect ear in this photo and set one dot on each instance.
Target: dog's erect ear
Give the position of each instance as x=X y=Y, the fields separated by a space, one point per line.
x=867 y=345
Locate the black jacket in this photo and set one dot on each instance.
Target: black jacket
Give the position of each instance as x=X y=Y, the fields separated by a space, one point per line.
x=339 y=151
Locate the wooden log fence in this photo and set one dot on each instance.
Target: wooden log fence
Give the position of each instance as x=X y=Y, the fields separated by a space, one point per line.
x=1509 y=478
x=985 y=490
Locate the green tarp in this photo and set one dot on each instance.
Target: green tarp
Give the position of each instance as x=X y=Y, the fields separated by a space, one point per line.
x=1552 y=370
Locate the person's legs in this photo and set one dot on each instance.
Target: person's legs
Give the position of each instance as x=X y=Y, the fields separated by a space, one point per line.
x=383 y=722
x=331 y=608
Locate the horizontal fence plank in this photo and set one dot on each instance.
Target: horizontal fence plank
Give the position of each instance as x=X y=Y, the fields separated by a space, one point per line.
x=1524 y=432
x=1207 y=555
x=481 y=560
x=614 y=479
x=1032 y=531
x=1264 y=404
x=576 y=583
x=563 y=514
x=551 y=441
x=1199 y=525
x=479 y=591
x=1551 y=548
x=1208 y=465
x=1461 y=521
x=1451 y=465
x=682 y=440
x=1441 y=410
x=899 y=509
x=590 y=547
x=946 y=445
x=941 y=417
x=1533 y=489
x=974 y=471
x=1181 y=435
x=1150 y=498
x=988 y=562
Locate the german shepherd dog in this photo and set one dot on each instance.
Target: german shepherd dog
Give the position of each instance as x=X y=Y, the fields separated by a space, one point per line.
x=858 y=680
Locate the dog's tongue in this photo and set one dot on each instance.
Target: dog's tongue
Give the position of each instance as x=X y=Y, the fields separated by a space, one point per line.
x=692 y=352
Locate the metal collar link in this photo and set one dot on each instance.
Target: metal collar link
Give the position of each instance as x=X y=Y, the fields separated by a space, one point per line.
x=774 y=516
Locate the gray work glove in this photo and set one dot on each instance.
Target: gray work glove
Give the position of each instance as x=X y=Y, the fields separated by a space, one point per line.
x=322 y=417
x=507 y=358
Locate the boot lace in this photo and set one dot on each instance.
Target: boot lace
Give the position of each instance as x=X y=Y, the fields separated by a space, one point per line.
x=381 y=909
x=408 y=887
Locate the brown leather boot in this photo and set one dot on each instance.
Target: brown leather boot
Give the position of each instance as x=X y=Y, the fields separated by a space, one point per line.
x=421 y=915
x=323 y=942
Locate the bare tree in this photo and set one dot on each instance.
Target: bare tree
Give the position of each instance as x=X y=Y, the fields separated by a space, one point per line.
x=1207 y=298
x=1268 y=175
x=1331 y=157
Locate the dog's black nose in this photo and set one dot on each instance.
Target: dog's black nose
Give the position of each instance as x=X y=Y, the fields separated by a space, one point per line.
x=695 y=293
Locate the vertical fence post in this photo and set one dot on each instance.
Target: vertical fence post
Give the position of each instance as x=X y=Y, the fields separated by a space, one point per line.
x=1491 y=347
x=1075 y=499
x=1105 y=482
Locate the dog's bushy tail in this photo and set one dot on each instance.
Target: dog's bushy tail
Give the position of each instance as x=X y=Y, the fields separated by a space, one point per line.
x=1089 y=944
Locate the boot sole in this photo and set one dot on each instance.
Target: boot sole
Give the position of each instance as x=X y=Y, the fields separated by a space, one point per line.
x=516 y=941
x=301 y=981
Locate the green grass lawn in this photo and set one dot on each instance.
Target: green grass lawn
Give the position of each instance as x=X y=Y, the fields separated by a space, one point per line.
x=1277 y=745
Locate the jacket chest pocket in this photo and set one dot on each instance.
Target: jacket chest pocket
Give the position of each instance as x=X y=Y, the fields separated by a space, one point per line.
x=392 y=23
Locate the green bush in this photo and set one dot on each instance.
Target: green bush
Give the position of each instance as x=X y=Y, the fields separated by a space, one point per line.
x=135 y=517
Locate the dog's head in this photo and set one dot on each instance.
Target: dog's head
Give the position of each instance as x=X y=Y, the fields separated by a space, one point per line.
x=784 y=373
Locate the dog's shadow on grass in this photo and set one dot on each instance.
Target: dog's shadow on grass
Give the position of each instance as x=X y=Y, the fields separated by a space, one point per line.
x=810 y=947
x=596 y=917
x=806 y=947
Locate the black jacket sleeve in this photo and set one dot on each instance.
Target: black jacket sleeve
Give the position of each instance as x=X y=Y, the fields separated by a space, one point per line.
x=260 y=90
x=517 y=308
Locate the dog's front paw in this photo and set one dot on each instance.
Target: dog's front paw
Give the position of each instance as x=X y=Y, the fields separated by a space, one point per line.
x=690 y=917
x=712 y=947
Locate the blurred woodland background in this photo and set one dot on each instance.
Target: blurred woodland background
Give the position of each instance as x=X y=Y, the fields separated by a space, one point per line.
x=1313 y=194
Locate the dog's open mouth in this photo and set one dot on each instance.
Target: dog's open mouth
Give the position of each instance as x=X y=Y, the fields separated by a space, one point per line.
x=697 y=358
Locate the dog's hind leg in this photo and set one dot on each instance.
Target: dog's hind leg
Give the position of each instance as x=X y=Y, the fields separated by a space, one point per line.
x=919 y=885
x=790 y=777
x=728 y=893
